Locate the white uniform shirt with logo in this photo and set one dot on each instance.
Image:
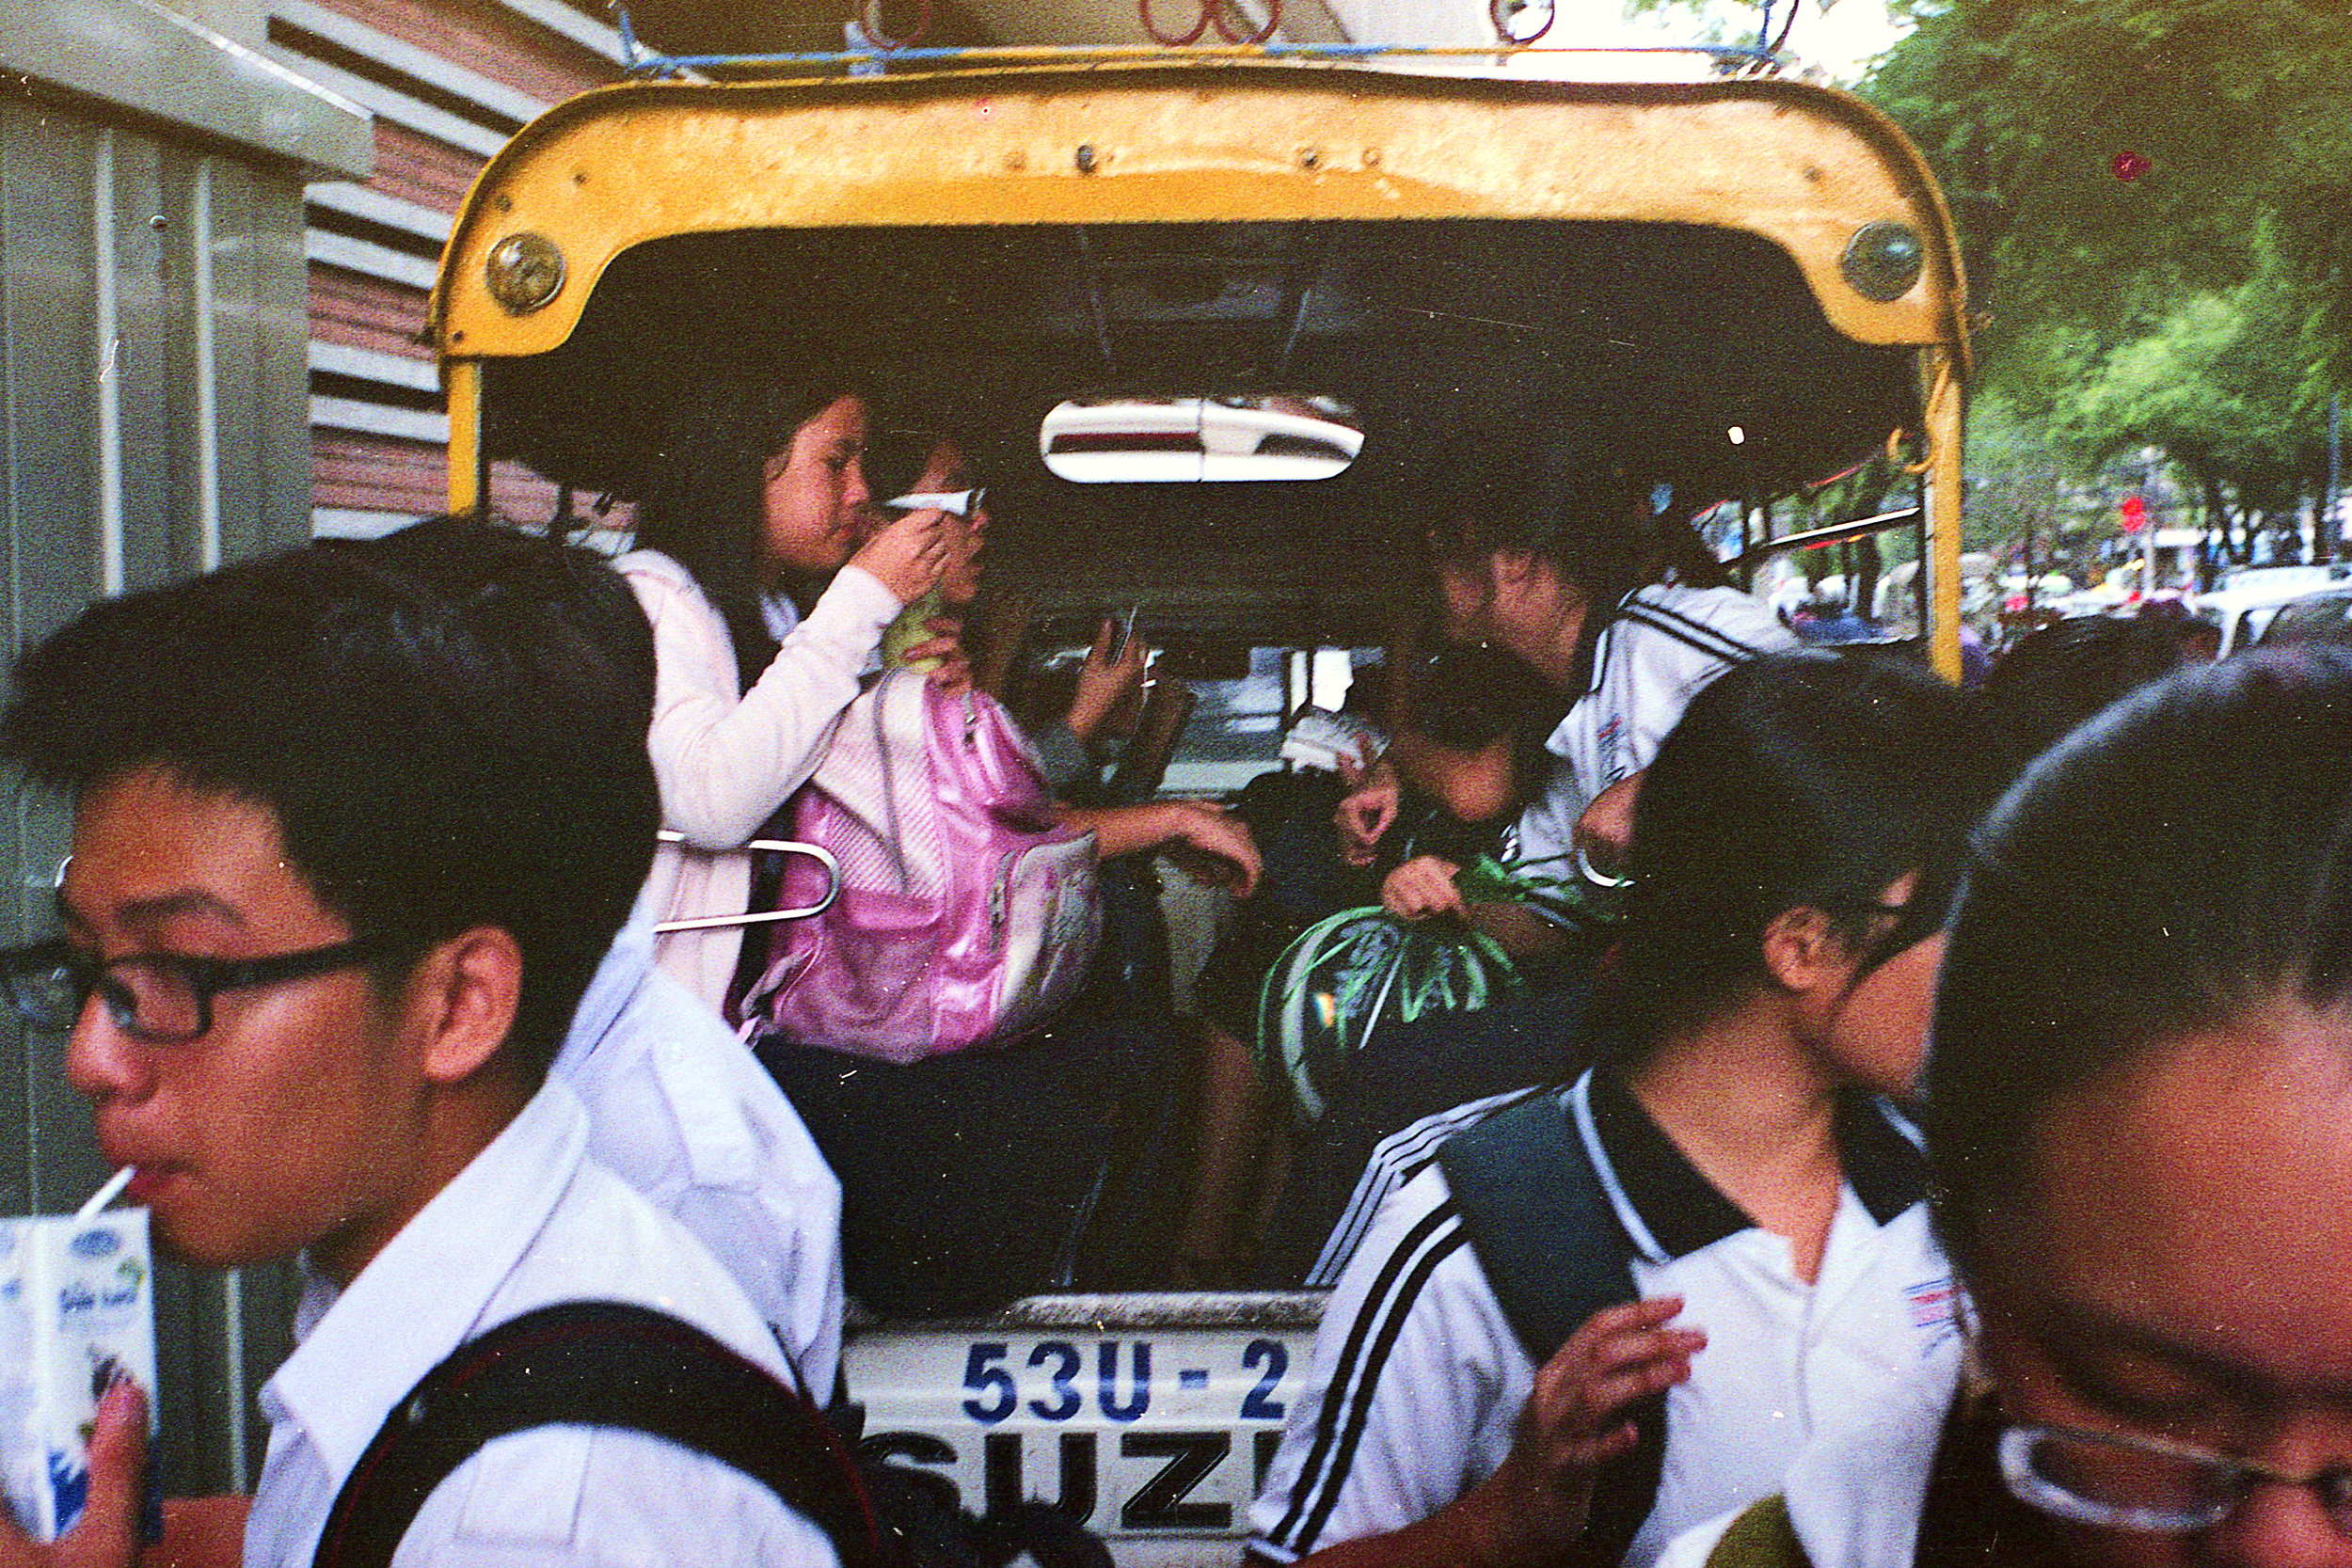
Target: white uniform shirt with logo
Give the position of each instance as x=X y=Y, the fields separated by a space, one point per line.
x=1855 y=1503
x=680 y=1110
x=531 y=1222
x=1418 y=1379
x=1664 y=643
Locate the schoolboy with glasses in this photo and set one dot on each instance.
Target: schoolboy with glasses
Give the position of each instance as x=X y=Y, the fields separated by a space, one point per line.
x=676 y=1107
x=347 y=847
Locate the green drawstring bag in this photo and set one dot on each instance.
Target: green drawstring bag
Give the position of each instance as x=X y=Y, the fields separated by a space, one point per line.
x=1347 y=975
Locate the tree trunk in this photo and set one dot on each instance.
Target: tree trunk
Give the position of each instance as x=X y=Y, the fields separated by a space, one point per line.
x=2237 y=530
x=2323 y=537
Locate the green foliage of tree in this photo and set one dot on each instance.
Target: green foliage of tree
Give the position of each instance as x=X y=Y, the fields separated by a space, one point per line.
x=2202 y=304
x=2218 y=386
x=2240 y=109
x=2028 y=505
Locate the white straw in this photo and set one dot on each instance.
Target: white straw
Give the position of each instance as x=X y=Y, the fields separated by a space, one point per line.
x=105 y=1194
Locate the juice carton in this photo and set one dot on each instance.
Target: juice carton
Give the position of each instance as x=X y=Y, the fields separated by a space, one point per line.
x=77 y=1306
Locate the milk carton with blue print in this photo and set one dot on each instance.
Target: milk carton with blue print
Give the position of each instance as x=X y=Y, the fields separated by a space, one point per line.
x=77 y=1306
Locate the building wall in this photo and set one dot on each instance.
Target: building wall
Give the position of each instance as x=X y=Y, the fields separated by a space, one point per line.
x=151 y=385
x=448 y=82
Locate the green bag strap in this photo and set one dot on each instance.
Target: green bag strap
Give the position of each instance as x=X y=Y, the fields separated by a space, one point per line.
x=1553 y=1252
x=1761 y=1537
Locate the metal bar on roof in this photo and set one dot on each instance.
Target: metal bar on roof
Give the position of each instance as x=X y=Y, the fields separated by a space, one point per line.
x=1095 y=303
x=1834 y=534
x=651 y=64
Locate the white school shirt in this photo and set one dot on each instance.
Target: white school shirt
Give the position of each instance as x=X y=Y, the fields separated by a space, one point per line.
x=1664 y=643
x=680 y=1110
x=531 y=1222
x=1418 y=1381
x=1853 y=1504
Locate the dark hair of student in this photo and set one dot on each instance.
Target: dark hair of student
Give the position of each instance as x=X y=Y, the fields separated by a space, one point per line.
x=704 y=501
x=896 y=458
x=1797 y=780
x=449 y=727
x=1568 y=501
x=2181 y=862
x=2062 y=674
x=1565 y=498
x=465 y=559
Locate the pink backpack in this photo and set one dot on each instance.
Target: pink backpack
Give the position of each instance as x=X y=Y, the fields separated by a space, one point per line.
x=966 y=916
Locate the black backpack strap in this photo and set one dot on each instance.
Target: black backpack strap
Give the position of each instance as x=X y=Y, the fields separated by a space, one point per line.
x=1553 y=1252
x=605 y=1364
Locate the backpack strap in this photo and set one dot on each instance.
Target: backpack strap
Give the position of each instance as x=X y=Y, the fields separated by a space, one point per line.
x=1761 y=1537
x=1554 y=1254
x=604 y=1364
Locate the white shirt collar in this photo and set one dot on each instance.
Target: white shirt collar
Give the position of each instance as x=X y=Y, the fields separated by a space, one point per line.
x=1562 y=741
x=782 y=616
x=424 y=1294
x=627 y=966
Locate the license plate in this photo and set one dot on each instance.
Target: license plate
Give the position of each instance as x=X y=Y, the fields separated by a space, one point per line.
x=1147 y=1416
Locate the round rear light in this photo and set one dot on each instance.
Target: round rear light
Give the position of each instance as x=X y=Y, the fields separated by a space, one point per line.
x=1883 y=259
x=524 y=271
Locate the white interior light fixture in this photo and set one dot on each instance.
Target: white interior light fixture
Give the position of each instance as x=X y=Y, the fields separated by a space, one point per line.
x=1193 y=439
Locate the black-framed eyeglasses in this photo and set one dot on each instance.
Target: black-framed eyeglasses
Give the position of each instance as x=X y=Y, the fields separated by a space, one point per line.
x=161 y=998
x=2146 y=1483
x=1928 y=911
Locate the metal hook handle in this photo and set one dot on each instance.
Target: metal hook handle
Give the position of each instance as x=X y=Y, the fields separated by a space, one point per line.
x=1896 y=440
x=821 y=855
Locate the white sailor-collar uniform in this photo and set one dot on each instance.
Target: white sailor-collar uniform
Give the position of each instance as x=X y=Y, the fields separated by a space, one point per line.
x=531 y=1222
x=680 y=1110
x=1660 y=647
x=1418 y=1379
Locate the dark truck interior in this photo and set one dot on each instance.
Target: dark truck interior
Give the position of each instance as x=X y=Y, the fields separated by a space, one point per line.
x=1647 y=342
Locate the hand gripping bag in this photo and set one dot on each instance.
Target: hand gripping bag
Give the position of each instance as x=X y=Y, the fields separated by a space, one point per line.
x=1349 y=974
x=966 y=915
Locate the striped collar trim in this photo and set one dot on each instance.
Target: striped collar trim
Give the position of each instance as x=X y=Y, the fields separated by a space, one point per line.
x=1653 y=615
x=1670 y=1211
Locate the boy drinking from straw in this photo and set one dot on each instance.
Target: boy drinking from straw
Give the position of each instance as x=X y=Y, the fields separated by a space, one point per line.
x=347 y=847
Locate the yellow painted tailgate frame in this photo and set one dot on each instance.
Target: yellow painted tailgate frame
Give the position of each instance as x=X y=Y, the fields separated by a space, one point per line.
x=1229 y=140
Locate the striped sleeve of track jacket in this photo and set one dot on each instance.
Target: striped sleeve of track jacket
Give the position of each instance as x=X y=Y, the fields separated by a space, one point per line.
x=1396 y=1160
x=1414 y=1392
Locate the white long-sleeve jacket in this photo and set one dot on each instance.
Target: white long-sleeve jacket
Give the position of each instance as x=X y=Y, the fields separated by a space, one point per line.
x=725 y=758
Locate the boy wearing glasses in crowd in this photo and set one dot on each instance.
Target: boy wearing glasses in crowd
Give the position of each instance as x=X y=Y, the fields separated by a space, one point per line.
x=347 y=848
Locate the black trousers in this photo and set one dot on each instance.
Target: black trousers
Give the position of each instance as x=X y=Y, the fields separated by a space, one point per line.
x=964 y=1178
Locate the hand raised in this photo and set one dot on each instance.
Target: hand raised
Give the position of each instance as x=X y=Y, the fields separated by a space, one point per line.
x=1367 y=813
x=1105 y=683
x=1422 y=887
x=1577 y=1417
x=107 y=1534
x=909 y=555
x=949 y=667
